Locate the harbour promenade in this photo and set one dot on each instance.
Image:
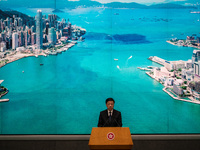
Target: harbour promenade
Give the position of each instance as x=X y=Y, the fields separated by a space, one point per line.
x=19 y=55
x=173 y=95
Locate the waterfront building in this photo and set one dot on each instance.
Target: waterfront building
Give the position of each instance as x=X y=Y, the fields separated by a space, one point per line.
x=39 y=34
x=2 y=46
x=169 y=81
x=194 y=88
x=196 y=56
x=63 y=39
x=162 y=72
x=188 y=64
x=197 y=71
x=52 y=35
x=20 y=49
x=187 y=74
x=14 y=40
x=190 y=38
x=168 y=65
x=177 y=87
x=178 y=64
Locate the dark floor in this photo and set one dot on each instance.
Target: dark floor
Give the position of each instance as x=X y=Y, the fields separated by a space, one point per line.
x=83 y=145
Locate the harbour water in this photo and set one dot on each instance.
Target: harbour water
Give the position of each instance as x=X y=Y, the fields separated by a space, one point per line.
x=66 y=94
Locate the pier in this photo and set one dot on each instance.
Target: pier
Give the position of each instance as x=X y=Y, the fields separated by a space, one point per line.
x=157 y=60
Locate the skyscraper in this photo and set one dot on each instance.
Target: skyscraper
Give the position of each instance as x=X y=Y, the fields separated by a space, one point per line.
x=39 y=34
x=14 y=40
x=196 y=56
x=52 y=35
x=26 y=38
x=21 y=38
x=33 y=38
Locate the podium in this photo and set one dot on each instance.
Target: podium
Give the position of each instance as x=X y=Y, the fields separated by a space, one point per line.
x=109 y=138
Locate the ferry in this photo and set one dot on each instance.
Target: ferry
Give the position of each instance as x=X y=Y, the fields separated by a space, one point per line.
x=195 y=12
x=4 y=100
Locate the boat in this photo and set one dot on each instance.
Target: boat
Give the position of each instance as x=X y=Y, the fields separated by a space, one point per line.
x=41 y=64
x=151 y=67
x=195 y=12
x=115 y=59
x=4 y=100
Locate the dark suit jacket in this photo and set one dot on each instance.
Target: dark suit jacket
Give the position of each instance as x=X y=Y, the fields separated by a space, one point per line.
x=116 y=119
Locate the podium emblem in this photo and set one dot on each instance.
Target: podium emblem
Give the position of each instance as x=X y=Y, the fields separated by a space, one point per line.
x=110 y=136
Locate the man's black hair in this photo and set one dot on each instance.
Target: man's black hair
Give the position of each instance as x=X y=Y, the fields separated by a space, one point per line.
x=110 y=99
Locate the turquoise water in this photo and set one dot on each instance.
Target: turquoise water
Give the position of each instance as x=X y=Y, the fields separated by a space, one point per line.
x=66 y=94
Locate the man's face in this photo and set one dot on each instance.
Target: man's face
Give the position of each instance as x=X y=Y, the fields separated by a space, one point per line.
x=110 y=105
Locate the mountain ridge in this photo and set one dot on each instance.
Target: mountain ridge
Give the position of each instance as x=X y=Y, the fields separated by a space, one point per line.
x=62 y=4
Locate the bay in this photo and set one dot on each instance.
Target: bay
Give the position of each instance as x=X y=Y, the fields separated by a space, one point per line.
x=66 y=94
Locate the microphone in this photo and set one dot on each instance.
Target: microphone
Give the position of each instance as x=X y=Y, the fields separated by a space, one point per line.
x=105 y=122
x=117 y=123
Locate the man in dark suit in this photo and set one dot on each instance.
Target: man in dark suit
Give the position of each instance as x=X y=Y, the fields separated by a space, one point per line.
x=110 y=117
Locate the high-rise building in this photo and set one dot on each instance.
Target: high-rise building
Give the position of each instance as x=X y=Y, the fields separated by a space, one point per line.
x=14 y=40
x=39 y=34
x=197 y=68
x=21 y=38
x=15 y=22
x=52 y=35
x=47 y=28
x=196 y=56
x=26 y=38
x=8 y=22
x=32 y=28
x=33 y=38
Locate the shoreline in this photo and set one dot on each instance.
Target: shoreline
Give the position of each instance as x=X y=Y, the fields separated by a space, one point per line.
x=20 y=55
x=171 y=95
x=183 y=44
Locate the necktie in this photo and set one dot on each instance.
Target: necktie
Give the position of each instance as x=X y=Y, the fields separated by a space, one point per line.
x=110 y=116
